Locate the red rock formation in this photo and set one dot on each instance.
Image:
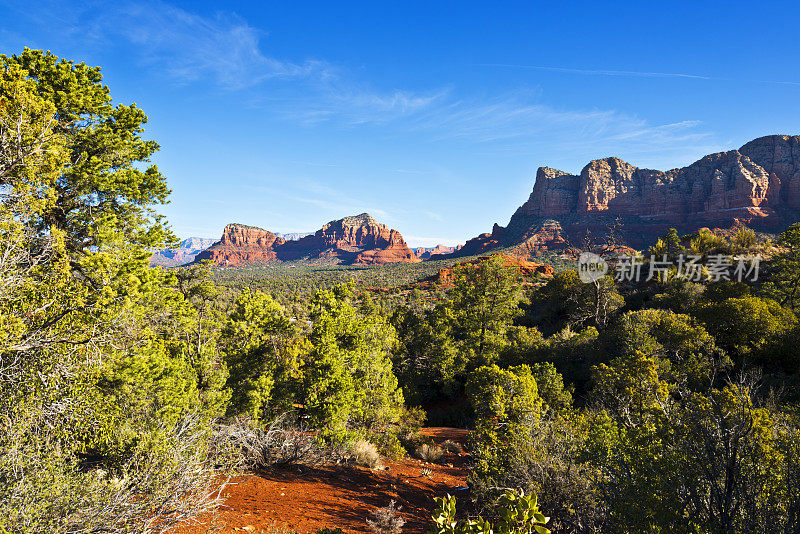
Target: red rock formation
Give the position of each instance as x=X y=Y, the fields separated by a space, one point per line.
x=353 y=240
x=757 y=185
x=444 y=278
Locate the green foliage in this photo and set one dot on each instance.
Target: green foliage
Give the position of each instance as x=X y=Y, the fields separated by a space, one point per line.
x=428 y=361
x=348 y=380
x=484 y=300
x=550 y=387
x=631 y=388
x=671 y=339
x=98 y=191
x=784 y=270
x=506 y=403
x=566 y=301
x=103 y=361
x=677 y=295
x=746 y=326
x=255 y=341
x=743 y=240
x=705 y=242
x=670 y=244
x=518 y=514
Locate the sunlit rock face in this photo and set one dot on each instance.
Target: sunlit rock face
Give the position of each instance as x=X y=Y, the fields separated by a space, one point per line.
x=757 y=185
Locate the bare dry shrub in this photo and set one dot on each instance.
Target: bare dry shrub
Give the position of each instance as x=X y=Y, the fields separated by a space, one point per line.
x=158 y=489
x=155 y=489
x=430 y=453
x=252 y=448
x=386 y=520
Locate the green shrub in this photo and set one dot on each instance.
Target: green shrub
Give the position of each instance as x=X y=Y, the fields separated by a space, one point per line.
x=518 y=514
x=507 y=405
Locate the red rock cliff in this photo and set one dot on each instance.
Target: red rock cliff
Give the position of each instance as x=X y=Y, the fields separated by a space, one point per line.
x=758 y=185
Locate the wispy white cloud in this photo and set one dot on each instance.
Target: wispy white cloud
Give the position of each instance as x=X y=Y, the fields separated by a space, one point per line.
x=409 y=171
x=602 y=72
x=518 y=123
x=331 y=202
x=634 y=73
x=225 y=51
x=350 y=103
x=434 y=216
x=316 y=164
x=190 y=47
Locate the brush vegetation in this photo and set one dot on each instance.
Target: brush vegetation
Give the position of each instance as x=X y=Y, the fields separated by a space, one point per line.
x=129 y=393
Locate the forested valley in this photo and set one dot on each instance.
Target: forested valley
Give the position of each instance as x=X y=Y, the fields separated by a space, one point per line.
x=129 y=394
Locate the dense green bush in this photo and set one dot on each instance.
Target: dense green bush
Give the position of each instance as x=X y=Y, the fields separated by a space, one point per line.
x=518 y=514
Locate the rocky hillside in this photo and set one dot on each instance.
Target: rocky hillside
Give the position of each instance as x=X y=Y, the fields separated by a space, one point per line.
x=186 y=253
x=357 y=240
x=757 y=185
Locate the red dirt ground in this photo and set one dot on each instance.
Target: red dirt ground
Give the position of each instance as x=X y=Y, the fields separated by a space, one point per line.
x=305 y=499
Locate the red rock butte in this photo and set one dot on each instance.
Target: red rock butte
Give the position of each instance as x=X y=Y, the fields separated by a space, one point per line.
x=357 y=240
x=757 y=185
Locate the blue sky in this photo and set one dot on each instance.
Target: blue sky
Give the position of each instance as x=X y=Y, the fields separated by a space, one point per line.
x=432 y=116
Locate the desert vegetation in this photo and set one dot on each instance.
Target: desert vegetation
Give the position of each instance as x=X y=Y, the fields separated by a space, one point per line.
x=130 y=394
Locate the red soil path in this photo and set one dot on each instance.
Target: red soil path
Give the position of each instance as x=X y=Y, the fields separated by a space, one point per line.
x=305 y=499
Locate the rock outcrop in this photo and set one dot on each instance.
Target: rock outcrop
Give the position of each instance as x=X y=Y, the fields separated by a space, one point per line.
x=757 y=185
x=357 y=240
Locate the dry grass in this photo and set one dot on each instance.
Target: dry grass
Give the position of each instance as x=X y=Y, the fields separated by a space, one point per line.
x=430 y=453
x=365 y=453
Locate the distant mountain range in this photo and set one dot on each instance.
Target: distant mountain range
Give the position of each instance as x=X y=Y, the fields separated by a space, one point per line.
x=186 y=253
x=757 y=185
x=294 y=236
x=191 y=247
x=426 y=253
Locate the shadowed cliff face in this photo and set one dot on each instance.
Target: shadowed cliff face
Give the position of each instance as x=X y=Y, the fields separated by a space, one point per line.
x=757 y=185
x=358 y=240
